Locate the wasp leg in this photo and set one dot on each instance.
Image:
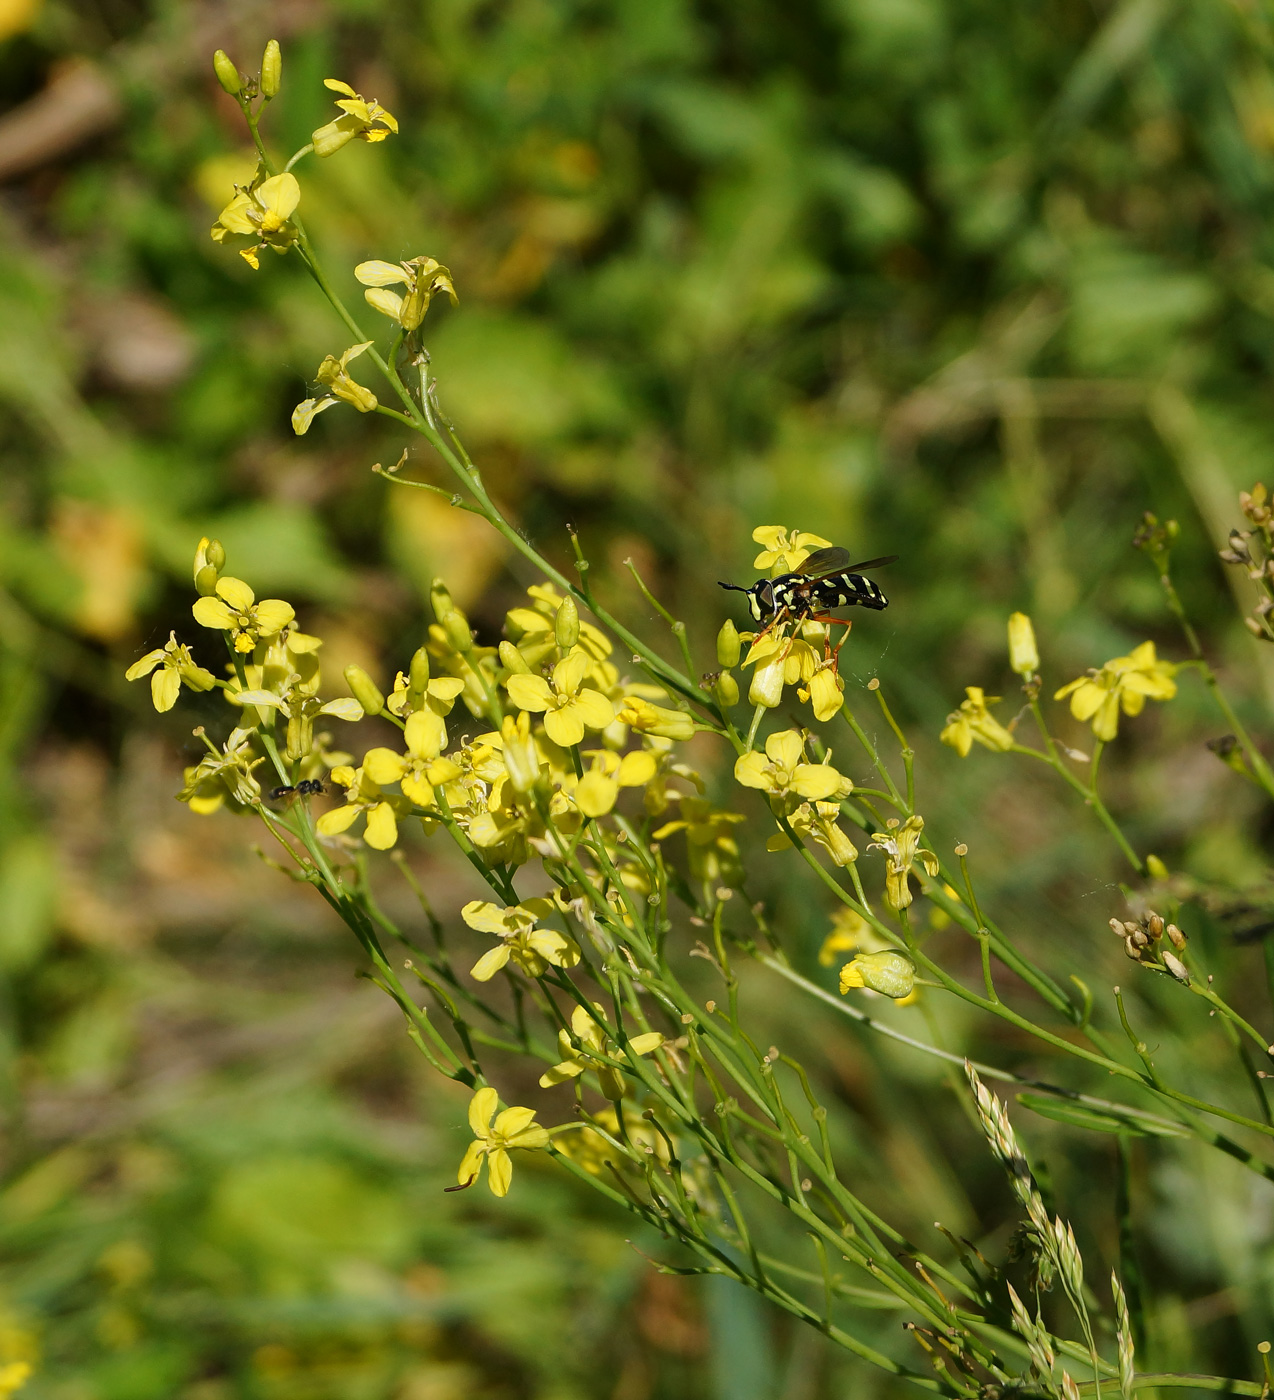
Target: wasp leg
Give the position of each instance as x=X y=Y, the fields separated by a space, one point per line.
x=829 y=653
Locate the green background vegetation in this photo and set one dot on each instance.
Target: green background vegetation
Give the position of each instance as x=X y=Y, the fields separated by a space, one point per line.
x=971 y=282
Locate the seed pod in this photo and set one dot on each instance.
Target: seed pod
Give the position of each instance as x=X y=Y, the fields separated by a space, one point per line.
x=418 y=672
x=512 y=660
x=364 y=690
x=227 y=74
x=1177 y=968
x=1176 y=938
x=566 y=627
x=271 y=70
x=728 y=645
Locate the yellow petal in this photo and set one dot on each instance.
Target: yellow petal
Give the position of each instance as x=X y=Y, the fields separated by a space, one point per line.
x=382 y=827
x=380 y=274
x=1106 y=720
x=785 y=748
x=425 y=733
x=481 y=1107
x=484 y=916
x=471 y=1163
x=165 y=685
x=958 y=735
x=529 y=692
x=752 y=770
x=235 y=592
x=336 y=85
x=386 y=302
x=644 y=1044
x=766 y=687
x=815 y=780
x=594 y=708
x=490 y=963
x=337 y=820
x=499 y=1172
x=383 y=765
x=307 y=411
x=636 y=769
x=595 y=794
x=212 y=612
x=513 y=1121
x=529 y=1139
x=145 y=665
x=280 y=194
x=569 y=673
x=273 y=615
x=565 y=727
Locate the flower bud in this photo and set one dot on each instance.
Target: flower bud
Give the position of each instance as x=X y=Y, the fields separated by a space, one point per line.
x=1024 y=656
x=418 y=671
x=300 y=737
x=726 y=689
x=1176 y=938
x=1155 y=868
x=271 y=70
x=728 y=645
x=891 y=974
x=1177 y=968
x=767 y=684
x=456 y=626
x=566 y=628
x=1117 y=928
x=206 y=581
x=364 y=690
x=440 y=599
x=1154 y=925
x=521 y=758
x=512 y=660
x=227 y=74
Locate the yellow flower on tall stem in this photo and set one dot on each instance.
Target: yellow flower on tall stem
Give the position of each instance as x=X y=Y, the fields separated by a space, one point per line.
x=421 y=277
x=176 y=667
x=361 y=117
x=902 y=849
x=782 y=771
x=233 y=608
x=585 y=1043
x=568 y=705
x=522 y=941
x=783 y=550
x=341 y=387
x=262 y=212
x=974 y=721
x=514 y=1128
x=1125 y=682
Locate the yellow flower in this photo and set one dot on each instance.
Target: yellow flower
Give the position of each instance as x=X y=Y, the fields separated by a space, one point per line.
x=825 y=691
x=334 y=375
x=598 y=790
x=223 y=773
x=262 y=212
x=420 y=769
x=301 y=707
x=848 y=930
x=888 y=973
x=710 y=843
x=589 y=1042
x=523 y=943
x=901 y=847
x=569 y=707
x=534 y=629
x=974 y=721
x=1024 y=655
x=594 y=1152
x=782 y=552
x=363 y=797
x=817 y=821
x=360 y=117
x=176 y=665
x=13 y=1376
x=1125 y=682
x=782 y=660
x=424 y=277
x=234 y=608
x=514 y=1128
x=782 y=771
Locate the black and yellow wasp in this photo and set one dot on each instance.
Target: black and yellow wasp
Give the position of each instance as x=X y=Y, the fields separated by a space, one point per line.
x=824 y=582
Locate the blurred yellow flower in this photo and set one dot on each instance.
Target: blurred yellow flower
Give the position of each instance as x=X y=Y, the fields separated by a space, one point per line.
x=523 y=942
x=360 y=117
x=589 y=1041
x=974 y=721
x=263 y=213
x=233 y=608
x=781 y=550
x=848 y=930
x=598 y=790
x=1024 y=655
x=176 y=666
x=1125 y=682
x=13 y=1376
x=569 y=707
x=341 y=387
x=424 y=277
x=514 y=1128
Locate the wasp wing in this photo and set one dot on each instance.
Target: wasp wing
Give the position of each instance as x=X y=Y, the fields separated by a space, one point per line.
x=824 y=561
x=873 y=563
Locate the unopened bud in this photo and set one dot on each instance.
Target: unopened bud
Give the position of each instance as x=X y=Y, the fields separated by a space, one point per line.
x=364 y=690
x=1024 y=656
x=1140 y=939
x=767 y=684
x=440 y=599
x=1176 y=938
x=206 y=581
x=1177 y=968
x=726 y=690
x=1130 y=928
x=728 y=645
x=1154 y=925
x=456 y=626
x=1132 y=950
x=227 y=74
x=300 y=737
x=418 y=671
x=512 y=660
x=1117 y=928
x=271 y=70
x=888 y=973
x=1155 y=868
x=566 y=628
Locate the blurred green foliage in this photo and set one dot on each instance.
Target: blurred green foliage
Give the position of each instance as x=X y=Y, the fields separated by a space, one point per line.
x=970 y=282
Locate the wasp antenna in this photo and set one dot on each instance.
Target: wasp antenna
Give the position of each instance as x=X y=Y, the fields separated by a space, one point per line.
x=734 y=587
